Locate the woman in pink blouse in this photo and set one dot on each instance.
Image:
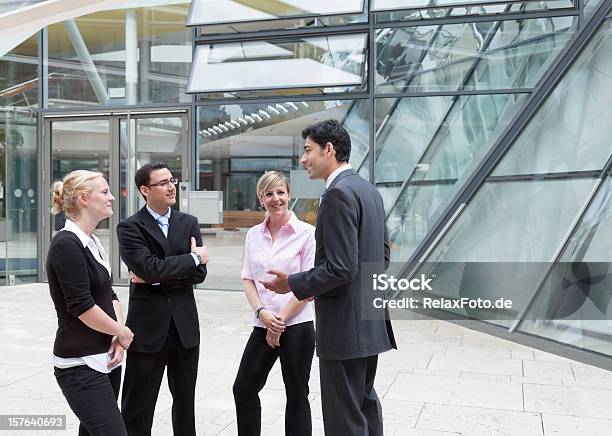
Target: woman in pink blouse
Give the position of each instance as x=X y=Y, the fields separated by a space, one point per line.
x=283 y=326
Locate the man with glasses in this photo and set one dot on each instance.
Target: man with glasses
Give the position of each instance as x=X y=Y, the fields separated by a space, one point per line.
x=163 y=250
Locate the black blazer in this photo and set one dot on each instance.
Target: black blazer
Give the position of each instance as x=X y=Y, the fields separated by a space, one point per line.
x=77 y=282
x=157 y=259
x=350 y=230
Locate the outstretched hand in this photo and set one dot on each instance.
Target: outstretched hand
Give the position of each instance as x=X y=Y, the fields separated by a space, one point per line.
x=280 y=284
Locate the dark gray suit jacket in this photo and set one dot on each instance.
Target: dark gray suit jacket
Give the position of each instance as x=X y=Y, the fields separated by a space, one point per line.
x=350 y=230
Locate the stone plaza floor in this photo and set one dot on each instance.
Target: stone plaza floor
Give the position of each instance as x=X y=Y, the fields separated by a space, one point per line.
x=445 y=379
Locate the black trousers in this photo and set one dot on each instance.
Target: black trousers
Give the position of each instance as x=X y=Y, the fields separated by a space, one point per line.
x=350 y=403
x=92 y=396
x=143 y=376
x=296 y=350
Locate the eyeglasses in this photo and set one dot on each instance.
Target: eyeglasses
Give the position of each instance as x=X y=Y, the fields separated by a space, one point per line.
x=164 y=183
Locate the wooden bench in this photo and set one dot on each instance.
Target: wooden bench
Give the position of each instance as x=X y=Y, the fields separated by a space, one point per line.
x=240 y=218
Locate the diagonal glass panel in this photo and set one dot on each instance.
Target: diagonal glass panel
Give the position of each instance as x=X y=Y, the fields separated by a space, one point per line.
x=520 y=53
x=384 y=5
x=517 y=244
x=571 y=130
x=207 y=12
x=312 y=62
x=509 y=54
x=590 y=6
x=574 y=303
x=406 y=134
x=468 y=132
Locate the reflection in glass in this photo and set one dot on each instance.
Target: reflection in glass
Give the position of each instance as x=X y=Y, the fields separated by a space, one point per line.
x=80 y=145
x=409 y=129
x=574 y=304
x=316 y=62
x=507 y=54
x=571 y=130
x=19 y=75
x=207 y=12
x=467 y=133
x=491 y=229
x=381 y=5
x=237 y=143
x=120 y=57
x=18 y=197
x=480 y=10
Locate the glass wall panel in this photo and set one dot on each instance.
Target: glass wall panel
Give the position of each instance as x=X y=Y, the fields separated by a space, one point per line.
x=120 y=57
x=18 y=197
x=411 y=125
x=80 y=145
x=514 y=226
x=381 y=5
x=207 y=12
x=507 y=54
x=310 y=62
x=458 y=143
x=238 y=143
x=286 y=24
x=19 y=75
x=590 y=6
x=574 y=303
x=571 y=130
x=463 y=11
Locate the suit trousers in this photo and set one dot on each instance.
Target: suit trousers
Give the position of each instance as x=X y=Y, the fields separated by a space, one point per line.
x=350 y=404
x=295 y=352
x=92 y=396
x=143 y=376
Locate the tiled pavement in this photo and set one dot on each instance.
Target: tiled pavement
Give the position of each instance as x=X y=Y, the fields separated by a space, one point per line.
x=444 y=379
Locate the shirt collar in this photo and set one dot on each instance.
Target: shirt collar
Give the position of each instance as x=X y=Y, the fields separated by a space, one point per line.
x=155 y=215
x=292 y=224
x=337 y=171
x=72 y=227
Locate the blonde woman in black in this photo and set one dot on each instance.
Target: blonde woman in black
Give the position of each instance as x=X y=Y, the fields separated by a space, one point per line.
x=91 y=337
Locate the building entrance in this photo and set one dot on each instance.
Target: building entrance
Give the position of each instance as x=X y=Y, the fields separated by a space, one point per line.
x=115 y=144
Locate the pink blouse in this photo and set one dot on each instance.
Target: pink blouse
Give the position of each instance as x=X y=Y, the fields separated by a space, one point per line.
x=293 y=251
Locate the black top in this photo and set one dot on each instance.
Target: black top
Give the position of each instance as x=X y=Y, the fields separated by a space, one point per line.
x=77 y=282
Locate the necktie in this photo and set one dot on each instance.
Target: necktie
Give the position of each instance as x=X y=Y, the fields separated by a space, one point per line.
x=162 y=222
x=322 y=194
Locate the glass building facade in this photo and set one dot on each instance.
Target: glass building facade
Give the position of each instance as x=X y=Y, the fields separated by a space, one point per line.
x=483 y=124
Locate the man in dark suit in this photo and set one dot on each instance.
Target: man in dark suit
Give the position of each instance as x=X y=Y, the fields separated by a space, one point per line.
x=163 y=250
x=350 y=231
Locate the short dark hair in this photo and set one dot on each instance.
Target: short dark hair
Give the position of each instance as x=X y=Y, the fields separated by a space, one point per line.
x=143 y=175
x=330 y=131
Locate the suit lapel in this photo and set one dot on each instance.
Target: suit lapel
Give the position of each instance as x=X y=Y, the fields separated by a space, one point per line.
x=153 y=229
x=174 y=233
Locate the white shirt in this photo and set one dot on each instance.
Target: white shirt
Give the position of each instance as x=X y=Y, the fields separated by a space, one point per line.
x=98 y=362
x=335 y=174
x=155 y=215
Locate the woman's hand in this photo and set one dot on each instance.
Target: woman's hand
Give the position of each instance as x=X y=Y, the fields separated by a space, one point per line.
x=125 y=337
x=272 y=321
x=116 y=351
x=273 y=339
